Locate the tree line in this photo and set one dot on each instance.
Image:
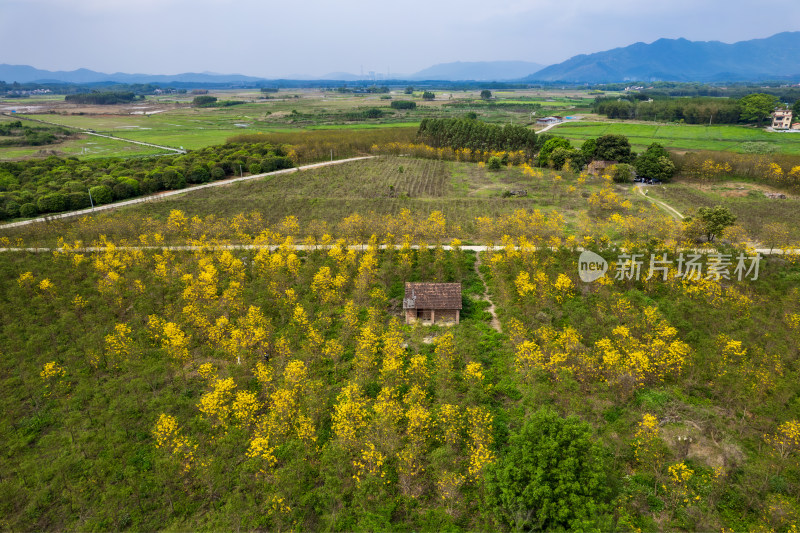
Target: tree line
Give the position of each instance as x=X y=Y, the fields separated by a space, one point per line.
x=52 y=185
x=752 y=108
x=690 y=110
x=475 y=135
x=103 y=97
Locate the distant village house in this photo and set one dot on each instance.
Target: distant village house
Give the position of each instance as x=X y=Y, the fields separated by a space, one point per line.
x=782 y=119
x=432 y=303
x=550 y=120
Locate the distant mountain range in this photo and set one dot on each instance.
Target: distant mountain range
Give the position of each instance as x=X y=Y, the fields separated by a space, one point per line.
x=772 y=58
x=478 y=71
x=28 y=74
x=457 y=71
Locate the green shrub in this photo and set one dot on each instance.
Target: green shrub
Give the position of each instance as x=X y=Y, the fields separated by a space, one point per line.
x=553 y=477
x=122 y=191
x=8 y=182
x=173 y=178
x=198 y=174
x=550 y=146
x=612 y=147
x=74 y=186
x=217 y=173
x=51 y=203
x=101 y=194
x=621 y=173
x=77 y=200
x=28 y=210
x=655 y=163
x=495 y=163
x=12 y=209
x=561 y=156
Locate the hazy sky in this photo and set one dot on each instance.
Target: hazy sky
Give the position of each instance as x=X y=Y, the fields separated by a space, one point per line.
x=272 y=39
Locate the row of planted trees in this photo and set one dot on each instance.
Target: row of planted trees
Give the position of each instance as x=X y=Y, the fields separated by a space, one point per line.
x=55 y=184
x=283 y=373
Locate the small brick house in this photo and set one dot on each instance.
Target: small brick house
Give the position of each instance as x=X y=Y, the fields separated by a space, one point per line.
x=432 y=303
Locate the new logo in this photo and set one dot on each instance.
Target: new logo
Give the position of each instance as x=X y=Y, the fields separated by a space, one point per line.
x=591 y=266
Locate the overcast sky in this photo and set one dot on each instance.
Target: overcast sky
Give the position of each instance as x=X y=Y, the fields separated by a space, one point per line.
x=275 y=39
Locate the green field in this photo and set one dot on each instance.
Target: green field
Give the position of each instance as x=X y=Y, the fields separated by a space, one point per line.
x=171 y=121
x=88 y=147
x=683 y=136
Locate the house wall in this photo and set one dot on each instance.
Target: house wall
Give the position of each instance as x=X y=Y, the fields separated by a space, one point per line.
x=782 y=119
x=439 y=315
x=447 y=315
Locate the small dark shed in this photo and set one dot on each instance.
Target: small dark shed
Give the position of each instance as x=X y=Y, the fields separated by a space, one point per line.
x=432 y=303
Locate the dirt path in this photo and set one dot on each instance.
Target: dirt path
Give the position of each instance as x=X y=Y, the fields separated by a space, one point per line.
x=663 y=205
x=485 y=296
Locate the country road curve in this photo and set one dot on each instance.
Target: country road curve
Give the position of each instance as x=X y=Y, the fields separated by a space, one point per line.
x=159 y=196
x=550 y=126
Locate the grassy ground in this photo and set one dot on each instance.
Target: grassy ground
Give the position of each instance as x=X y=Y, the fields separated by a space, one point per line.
x=86 y=147
x=684 y=136
x=754 y=211
x=382 y=186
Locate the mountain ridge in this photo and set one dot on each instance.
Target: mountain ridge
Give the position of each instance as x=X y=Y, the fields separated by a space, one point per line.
x=774 y=57
x=771 y=58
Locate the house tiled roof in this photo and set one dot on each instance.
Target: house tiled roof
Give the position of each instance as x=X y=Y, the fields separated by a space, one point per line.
x=432 y=296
